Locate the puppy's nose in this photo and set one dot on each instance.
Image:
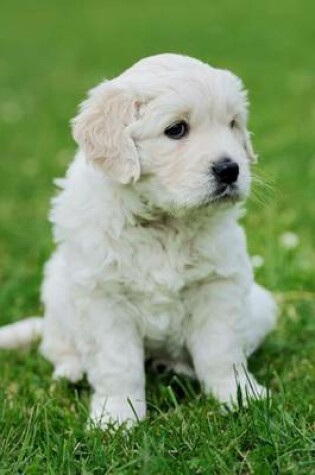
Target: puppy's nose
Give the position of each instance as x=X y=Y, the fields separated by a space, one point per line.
x=226 y=171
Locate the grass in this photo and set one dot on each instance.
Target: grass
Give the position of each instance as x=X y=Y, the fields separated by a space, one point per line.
x=52 y=52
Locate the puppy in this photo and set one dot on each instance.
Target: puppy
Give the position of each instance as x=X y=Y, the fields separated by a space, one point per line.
x=150 y=260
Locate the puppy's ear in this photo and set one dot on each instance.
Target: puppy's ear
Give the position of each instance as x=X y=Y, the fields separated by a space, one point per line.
x=101 y=131
x=252 y=156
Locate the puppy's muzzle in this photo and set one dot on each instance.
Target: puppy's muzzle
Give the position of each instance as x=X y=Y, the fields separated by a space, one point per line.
x=226 y=171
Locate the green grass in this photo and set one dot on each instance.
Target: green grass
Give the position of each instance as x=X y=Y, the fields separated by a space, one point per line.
x=52 y=52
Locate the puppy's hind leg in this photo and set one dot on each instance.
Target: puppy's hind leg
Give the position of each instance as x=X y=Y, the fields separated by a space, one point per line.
x=58 y=344
x=262 y=317
x=59 y=348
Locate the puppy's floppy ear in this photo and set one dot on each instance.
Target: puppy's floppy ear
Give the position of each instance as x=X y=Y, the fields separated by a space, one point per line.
x=101 y=131
x=253 y=157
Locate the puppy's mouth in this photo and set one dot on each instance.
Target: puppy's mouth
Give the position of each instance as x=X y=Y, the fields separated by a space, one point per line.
x=226 y=193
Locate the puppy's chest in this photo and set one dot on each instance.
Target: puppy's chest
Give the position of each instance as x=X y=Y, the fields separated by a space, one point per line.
x=163 y=261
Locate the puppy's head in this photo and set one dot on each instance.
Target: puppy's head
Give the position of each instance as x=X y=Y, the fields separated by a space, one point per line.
x=173 y=128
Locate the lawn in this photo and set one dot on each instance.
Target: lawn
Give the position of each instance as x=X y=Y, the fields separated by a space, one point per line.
x=52 y=52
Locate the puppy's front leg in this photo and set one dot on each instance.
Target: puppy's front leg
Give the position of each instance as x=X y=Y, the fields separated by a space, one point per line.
x=215 y=339
x=114 y=361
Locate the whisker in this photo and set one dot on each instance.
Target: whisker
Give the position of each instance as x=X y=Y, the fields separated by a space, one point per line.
x=263 y=189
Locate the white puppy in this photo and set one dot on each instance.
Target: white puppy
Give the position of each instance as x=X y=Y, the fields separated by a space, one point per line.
x=150 y=258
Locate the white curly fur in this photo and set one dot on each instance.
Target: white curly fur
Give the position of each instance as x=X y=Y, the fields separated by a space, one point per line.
x=148 y=263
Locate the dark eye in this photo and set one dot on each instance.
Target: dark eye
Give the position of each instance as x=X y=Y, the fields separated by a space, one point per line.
x=233 y=124
x=177 y=131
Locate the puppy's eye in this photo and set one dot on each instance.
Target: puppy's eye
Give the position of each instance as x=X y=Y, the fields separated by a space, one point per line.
x=177 y=131
x=233 y=124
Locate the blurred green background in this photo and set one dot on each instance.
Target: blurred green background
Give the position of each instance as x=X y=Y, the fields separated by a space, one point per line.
x=51 y=53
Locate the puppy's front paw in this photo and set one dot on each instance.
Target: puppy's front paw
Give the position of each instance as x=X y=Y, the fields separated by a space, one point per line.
x=238 y=388
x=115 y=411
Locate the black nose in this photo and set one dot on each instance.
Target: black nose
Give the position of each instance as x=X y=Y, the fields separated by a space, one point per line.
x=226 y=171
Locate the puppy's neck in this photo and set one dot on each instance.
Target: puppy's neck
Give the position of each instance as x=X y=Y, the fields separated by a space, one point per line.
x=148 y=216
